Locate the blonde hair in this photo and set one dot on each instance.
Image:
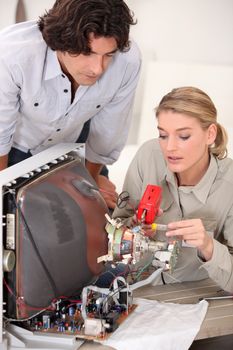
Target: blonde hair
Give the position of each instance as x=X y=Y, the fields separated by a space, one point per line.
x=195 y=103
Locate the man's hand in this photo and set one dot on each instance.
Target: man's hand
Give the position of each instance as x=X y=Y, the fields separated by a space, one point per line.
x=106 y=187
x=107 y=190
x=3 y=162
x=193 y=233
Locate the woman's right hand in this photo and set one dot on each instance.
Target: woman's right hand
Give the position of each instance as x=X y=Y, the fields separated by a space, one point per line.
x=148 y=229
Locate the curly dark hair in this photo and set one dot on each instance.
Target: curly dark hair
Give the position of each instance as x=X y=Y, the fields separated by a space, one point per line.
x=68 y=24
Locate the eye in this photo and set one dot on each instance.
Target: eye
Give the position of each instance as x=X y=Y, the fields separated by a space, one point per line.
x=110 y=55
x=162 y=137
x=184 y=137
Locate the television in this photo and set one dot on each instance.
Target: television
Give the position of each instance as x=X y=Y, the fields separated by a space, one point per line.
x=54 y=230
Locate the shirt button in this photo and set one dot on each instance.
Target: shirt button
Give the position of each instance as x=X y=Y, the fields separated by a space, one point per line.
x=66 y=114
x=58 y=130
x=36 y=104
x=65 y=90
x=63 y=76
x=50 y=139
x=98 y=106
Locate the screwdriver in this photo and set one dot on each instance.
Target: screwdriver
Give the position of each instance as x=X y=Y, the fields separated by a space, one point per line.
x=159 y=227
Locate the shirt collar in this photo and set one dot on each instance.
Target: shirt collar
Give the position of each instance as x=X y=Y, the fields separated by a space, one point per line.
x=202 y=189
x=52 y=65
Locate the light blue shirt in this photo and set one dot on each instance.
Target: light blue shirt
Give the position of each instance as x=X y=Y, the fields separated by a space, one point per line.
x=35 y=98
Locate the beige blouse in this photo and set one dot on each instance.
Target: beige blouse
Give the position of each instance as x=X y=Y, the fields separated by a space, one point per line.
x=210 y=200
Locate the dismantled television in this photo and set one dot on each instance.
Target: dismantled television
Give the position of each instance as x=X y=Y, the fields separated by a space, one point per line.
x=56 y=237
x=53 y=231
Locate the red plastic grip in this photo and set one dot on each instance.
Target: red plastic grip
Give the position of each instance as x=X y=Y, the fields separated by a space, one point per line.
x=150 y=203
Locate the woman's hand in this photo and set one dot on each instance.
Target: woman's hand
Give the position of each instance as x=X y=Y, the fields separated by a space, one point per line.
x=148 y=229
x=193 y=233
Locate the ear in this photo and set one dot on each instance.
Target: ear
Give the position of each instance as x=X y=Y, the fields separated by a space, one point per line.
x=211 y=134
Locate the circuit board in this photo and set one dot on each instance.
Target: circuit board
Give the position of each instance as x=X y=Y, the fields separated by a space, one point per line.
x=76 y=326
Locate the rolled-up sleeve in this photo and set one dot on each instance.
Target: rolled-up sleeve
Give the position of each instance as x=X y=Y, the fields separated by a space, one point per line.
x=220 y=267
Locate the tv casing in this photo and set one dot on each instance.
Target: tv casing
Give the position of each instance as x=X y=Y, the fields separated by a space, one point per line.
x=59 y=229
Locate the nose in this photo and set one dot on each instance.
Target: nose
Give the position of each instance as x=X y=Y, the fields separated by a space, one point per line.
x=97 y=66
x=171 y=143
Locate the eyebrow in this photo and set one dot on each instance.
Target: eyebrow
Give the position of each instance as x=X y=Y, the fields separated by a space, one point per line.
x=106 y=53
x=179 y=129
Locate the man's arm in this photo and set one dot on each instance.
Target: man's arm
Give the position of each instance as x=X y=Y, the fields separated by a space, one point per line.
x=3 y=161
x=107 y=188
x=94 y=169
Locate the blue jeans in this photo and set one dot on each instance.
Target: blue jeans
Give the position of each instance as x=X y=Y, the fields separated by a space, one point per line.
x=15 y=156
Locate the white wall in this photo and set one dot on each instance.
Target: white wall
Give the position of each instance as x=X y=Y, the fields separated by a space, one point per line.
x=34 y=8
x=177 y=30
x=37 y=7
x=185 y=30
x=198 y=32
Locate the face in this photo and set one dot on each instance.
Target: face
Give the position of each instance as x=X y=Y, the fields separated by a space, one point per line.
x=87 y=69
x=185 y=145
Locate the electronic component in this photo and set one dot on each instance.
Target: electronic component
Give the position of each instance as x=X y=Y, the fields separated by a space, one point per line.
x=64 y=239
x=108 y=307
x=166 y=255
x=130 y=245
x=93 y=314
x=50 y=247
x=94 y=326
x=54 y=244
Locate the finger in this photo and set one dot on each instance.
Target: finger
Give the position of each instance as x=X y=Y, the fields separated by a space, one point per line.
x=111 y=204
x=182 y=228
x=182 y=232
x=110 y=199
x=186 y=233
x=185 y=223
x=109 y=194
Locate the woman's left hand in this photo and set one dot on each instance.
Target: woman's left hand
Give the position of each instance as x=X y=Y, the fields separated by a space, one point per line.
x=192 y=232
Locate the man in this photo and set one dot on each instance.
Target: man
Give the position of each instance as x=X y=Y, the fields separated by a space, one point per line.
x=75 y=64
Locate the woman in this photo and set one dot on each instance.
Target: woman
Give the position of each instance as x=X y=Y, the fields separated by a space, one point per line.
x=189 y=162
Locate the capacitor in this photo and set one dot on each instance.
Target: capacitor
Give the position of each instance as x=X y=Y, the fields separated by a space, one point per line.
x=46 y=321
x=71 y=311
x=8 y=260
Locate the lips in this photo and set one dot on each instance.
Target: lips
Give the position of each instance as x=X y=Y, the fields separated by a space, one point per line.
x=92 y=76
x=173 y=159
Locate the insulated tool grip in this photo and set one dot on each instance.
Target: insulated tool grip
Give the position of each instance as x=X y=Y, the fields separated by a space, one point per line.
x=149 y=204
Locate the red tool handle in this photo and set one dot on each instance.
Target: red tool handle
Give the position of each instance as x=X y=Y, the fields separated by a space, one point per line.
x=149 y=204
